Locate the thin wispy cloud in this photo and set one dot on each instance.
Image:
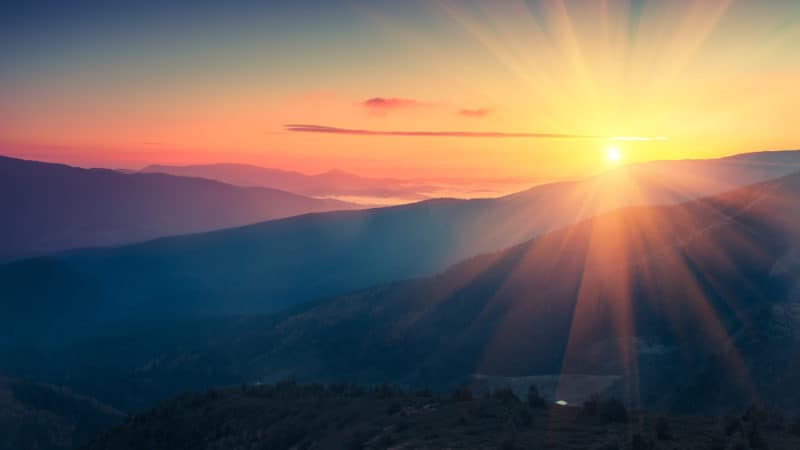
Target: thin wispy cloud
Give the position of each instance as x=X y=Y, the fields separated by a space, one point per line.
x=478 y=112
x=383 y=105
x=639 y=138
x=309 y=128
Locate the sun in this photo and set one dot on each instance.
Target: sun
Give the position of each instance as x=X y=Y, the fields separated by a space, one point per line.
x=613 y=155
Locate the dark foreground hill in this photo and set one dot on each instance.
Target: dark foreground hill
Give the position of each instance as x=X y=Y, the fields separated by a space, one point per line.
x=347 y=417
x=44 y=417
x=51 y=207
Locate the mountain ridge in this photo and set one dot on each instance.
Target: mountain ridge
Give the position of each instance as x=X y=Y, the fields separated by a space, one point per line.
x=57 y=207
x=671 y=299
x=271 y=265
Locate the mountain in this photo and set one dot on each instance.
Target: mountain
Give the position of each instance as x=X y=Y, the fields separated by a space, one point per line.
x=45 y=417
x=271 y=265
x=691 y=307
x=334 y=183
x=53 y=207
x=288 y=415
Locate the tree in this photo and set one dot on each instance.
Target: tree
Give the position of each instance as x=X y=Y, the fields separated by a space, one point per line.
x=534 y=399
x=795 y=428
x=663 y=430
x=356 y=441
x=509 y=441
x=463 y=394
x=732 y=425
x=591 y=405
x=505 y=395
x=613 y=410
x=386 y=390
x=756 y=438
x=640 y=442
x=522 y=416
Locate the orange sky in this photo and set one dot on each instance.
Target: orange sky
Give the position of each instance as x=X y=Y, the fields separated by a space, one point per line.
x=710 y=77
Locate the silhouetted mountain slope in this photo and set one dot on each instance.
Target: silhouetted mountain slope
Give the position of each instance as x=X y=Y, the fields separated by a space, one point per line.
x=326 y=184
x=272 y=265
x=288 y=416
x=684 y=303
x=52 y=207
x=44 y=417
x=775 y=158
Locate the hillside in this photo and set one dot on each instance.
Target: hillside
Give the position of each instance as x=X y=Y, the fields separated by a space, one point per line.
x=44 y=417
x=351 y=417
x=277 y=264
x=669 y=300
x=53 y=207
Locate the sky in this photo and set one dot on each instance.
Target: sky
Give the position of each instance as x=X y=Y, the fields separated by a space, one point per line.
x=449 y=89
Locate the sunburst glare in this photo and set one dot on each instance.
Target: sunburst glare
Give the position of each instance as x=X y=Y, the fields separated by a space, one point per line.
x=613 y=155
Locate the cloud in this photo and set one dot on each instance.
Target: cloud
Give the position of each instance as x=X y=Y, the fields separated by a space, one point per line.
x=308 y=128
x=382 y=105
x=638 y=138
x=479 y=112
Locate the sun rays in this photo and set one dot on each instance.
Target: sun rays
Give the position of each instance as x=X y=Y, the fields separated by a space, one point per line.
x=688 y=278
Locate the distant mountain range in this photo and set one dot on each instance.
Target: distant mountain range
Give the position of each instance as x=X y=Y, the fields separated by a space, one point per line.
x=333 y=183
x=672 y=299
x=276 y=264
x=53 y=207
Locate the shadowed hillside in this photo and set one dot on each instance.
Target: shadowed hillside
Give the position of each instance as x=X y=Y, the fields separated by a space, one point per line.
x=272 y=265
x=668 y=299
